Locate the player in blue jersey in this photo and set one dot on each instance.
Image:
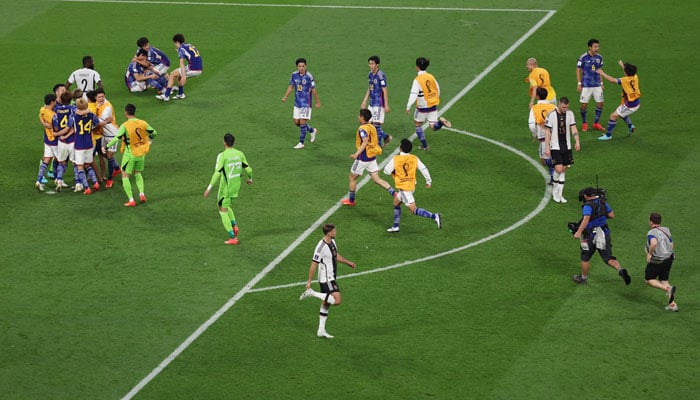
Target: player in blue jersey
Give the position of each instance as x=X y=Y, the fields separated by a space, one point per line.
x=193 y=67
x=589 y=84
x=84 y=123
x=46 y=114
x=138 y=78
x=378 y=96
x=303 y=84
x=156 y=61
x=63 y=129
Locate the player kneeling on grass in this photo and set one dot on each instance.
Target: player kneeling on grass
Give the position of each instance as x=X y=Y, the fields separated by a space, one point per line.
x=403 y=168
x=230 y=165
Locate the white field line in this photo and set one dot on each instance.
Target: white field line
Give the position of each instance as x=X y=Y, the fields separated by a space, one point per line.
x=396 y=8
x=249 y=286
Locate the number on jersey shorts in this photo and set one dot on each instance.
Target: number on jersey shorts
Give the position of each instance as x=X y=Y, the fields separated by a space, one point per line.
x=624 y=111
x=302 y=113
x=377 y=114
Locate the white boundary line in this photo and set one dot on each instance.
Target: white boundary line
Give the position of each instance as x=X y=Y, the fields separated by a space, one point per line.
x=249 y=286
x=397 y=8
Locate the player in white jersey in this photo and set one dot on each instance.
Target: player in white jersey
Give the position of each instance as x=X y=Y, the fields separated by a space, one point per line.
x=86 y=78
x=558 y=128
x=325 y=259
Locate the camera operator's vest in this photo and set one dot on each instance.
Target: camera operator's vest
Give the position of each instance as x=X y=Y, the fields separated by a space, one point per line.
x=598 y=209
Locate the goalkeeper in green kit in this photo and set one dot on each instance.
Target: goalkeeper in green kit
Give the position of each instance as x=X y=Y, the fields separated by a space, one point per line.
x=230 y=165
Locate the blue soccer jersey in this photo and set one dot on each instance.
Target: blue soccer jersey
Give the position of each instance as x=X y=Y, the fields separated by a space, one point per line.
x=62 y=119
x=377 y=82
x=190 y=53
x=588 y=65
x=302 y=84
x=84 y=125
x=131 y=70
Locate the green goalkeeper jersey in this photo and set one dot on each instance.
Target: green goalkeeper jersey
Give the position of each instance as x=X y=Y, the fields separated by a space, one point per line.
x=230 y=165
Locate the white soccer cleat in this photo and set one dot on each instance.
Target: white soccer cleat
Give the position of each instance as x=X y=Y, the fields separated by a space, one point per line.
x=313 y=135
x=179 y=96
x=446 y=122
x=78 y=188
x=307 y=293
x=39 y=186
x=324 y=334
x=438 y=220
x=299 y=145
x=563 y=200
x=672 y=307
x=163 y=97
x=393 y=229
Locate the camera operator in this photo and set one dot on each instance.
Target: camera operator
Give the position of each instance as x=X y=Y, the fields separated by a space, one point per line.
x=594 y=233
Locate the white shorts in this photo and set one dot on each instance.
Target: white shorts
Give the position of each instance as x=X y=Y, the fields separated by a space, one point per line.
x=83 y=156
x=377 y=114
x=161 y=68
x=302 y=113
x=587 y=92
x=50 y=151
x=431 y=116
x=624 y=111
x=138 y=86
x=406 y=197
x=106 y=139
x=65 y=151
x=359 y=167
x=190 y=73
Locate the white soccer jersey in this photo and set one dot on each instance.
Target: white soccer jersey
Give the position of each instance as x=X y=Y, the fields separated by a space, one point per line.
x=560 y=125
x=85 y=79
x=326 y=256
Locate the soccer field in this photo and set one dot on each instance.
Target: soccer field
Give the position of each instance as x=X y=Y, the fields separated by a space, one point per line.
x=99 y=301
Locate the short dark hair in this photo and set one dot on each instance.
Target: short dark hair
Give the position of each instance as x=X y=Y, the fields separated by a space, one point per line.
x=229 y=139
x=630 y=69
x=58 y=85
x=592 y=42
x=300 y=60
x=406 y=145
x=86 y=60
x=366 y=114
x=327 y=228
x=179 y=37
x=564 y=100
x=589 y=191
x=141 y=52
x=374 y=58
x=49 y=98
x=130 y=109
x=655 y=218
x=541 y=93
x=422 y=63
x=99 y=91
x=92 y=95
x=142 y=41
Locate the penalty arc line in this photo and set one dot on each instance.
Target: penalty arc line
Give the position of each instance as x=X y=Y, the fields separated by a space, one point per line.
x=249 y=286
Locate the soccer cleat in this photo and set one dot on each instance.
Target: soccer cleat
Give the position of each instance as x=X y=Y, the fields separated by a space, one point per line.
x=78 y=187
x=44 y=180
x=562 y=199
x=58 y=185
x=324 y=334
x=299 y=145
x=393 y=229
x=671 y=294
x=313 y=135
x=579 y=279
x=347 y=202
x=307 y=293
x=445 y=122
x=116 y=172
x=597 y=126
x=163 y=97
x=130 y=203
x=39 y=186
x=438 y=220
x=631 y=130
x=179 y=97
x=109 y=183
x=87 y=191
x=233 y=241
x=96 y=186
x=426 y=148
x=625 y=276
x=672 y=307
x=142 y=198
x=387 y=140
x=605 y=137
x=584 y=127
x=50 y=174
x=63 y=184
